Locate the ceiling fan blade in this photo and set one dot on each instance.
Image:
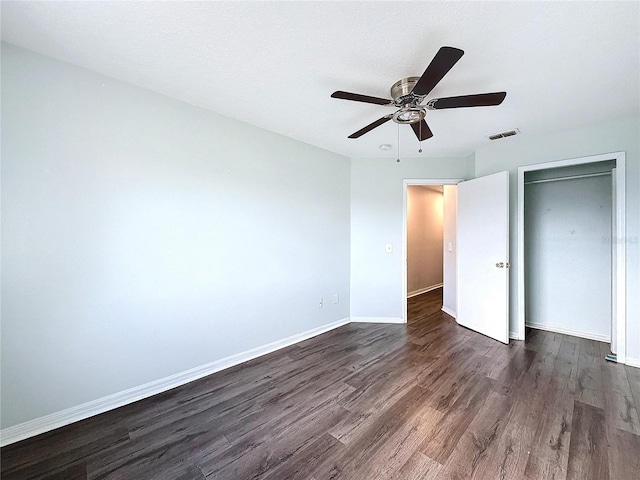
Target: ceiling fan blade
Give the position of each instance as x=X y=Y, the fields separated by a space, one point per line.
x=479 y=100
x=444 y=60
x=422 y=130
x=360 y=98
x=371 y=126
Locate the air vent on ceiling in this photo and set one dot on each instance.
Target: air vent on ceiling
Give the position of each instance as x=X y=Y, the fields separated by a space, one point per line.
x=508 y=133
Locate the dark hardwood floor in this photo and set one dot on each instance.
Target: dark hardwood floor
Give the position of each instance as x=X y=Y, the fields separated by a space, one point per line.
x=430 y=400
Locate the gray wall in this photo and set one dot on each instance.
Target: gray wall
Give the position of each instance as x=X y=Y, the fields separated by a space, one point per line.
x=612 y=136
x=568 y=255
x=142 y=236
x=424 y=237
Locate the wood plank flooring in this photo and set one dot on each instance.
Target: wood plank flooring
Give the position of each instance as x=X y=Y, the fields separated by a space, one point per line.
x=429 y=400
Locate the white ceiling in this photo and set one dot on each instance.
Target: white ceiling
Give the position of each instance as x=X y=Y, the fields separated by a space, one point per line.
x=275 y=64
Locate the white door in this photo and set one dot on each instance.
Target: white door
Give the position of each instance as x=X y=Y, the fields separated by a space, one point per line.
x=483 y=255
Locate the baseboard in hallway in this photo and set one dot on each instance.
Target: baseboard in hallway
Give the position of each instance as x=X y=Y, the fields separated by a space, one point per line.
x=415 y=293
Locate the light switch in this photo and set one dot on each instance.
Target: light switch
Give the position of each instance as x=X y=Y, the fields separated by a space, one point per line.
x=450 y=247
x=388 y=248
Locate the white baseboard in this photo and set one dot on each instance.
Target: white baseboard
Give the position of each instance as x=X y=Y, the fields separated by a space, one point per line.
x=448 y=311
x=514 y=336
x=377 y=320
x=80 y=412
x=570 y=331
x=415 y=293
x=633 y=362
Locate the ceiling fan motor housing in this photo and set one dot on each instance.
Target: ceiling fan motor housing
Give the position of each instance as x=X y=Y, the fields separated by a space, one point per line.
x=408 y=102
x=402 y=91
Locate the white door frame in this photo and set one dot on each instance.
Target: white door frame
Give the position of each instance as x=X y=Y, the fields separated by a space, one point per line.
x=405 y=184
x=620 y=267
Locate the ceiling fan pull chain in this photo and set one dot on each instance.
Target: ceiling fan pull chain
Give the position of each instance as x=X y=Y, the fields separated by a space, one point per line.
x=398 y=159
x=420 y=138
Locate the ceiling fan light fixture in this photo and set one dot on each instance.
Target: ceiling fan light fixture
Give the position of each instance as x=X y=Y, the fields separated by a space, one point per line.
x=408 y=114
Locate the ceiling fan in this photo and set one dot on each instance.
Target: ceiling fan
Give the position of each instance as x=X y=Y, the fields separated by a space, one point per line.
x=409 y=93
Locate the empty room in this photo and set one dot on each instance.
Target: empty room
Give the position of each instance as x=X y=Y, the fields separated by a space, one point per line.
x=320 y=240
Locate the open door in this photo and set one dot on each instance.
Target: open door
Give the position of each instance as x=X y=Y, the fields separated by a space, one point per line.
x=483 y=255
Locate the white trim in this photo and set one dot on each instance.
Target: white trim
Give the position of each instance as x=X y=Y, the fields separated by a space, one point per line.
x=633 y=362
x=514 y=336
x=377 y=320
x=520 y=255
x=415 y=293
x=448 y=311
x=614 y=268
x=405 y=183
x=620 y=208
x=571 y=331
x=621 y=259
x=80 y=412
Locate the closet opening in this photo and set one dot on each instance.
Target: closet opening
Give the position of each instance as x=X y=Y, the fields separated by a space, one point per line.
x=571 y=275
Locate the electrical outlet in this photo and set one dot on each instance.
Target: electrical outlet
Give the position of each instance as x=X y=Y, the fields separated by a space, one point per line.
x=336 y=298
x=321 y=303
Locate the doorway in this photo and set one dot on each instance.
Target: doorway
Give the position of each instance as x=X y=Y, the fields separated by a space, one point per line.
x=589 y=192
x=448 y=275
x=425 y=231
